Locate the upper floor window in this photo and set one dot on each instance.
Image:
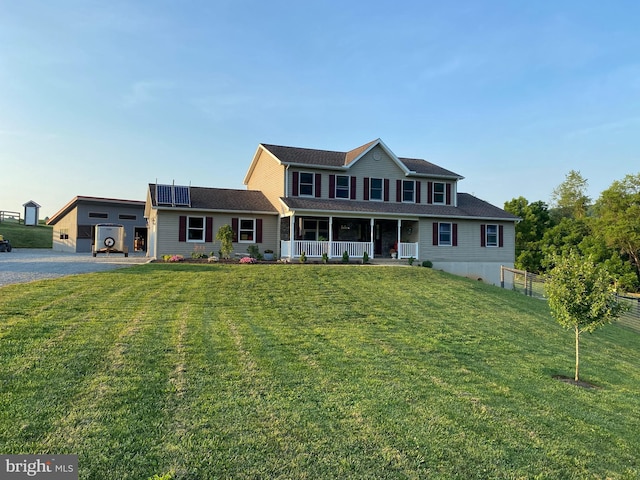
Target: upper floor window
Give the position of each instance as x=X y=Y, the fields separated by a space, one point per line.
x=306 y=186
x=376 y=189
x=195 y=229
x=125 y=216
x=439 y=190
x=246 y=230
x=408 y=191
x=98 y=215
x=342 y=186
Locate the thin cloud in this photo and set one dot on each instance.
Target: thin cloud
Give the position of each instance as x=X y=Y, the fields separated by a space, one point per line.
x=145 y=91
x=605 y=127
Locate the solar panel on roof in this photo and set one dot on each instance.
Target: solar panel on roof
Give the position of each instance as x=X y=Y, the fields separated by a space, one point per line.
x=181 y=195
x=164 y=194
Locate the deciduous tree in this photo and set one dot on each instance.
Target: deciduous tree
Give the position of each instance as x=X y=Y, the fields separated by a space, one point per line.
x=581 y=296
x=570 y=197
x=618 y=218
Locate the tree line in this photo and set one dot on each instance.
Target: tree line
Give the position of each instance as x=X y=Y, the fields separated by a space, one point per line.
x=606 y=230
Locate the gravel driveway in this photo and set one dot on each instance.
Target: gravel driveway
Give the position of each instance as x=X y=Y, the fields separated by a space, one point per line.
x=28 y=264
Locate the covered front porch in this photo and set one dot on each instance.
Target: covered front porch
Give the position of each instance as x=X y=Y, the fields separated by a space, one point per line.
x=379 y=238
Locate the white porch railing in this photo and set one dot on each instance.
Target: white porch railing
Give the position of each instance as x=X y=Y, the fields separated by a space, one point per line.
x=407 y=250
x=355 y=249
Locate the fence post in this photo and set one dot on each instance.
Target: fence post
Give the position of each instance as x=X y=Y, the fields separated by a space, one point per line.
x=501 y=276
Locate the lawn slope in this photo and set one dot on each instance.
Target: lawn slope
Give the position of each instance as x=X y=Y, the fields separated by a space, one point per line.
x=300 y=371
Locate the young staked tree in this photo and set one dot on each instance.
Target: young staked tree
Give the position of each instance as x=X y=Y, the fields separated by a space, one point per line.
x=225 y=235
x=581 y=296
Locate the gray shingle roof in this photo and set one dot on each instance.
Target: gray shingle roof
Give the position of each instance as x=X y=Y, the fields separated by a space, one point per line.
x=224 y=199
x=468 y=207
x=328 y=158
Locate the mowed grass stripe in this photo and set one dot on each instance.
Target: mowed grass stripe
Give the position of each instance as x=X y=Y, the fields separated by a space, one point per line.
x=321 y=372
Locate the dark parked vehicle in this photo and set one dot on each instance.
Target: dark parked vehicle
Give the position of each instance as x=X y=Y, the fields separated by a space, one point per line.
x=5 y=245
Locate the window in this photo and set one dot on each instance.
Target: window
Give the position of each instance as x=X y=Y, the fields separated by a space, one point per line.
x=195 y=229
x=86 y=231
x=444 y=234
x=314 y=229
x=64 y=234
x=124 y=216
x=376 y=189
x=246 y=231
x=439 y=192
x=98 y=215
x=342 y=186
x=306 y=184
x=408 y=188
x=492 y=236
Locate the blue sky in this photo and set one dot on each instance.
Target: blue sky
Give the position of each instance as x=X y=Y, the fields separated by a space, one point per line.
x=101 y=98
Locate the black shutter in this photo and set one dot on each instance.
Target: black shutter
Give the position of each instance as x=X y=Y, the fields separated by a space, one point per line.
x=294 y=187
x=332 y=186
x=483 y=235
x=398 y=190
x=365 y=191
x=182 y=229
x=208 y=233
x=501 y=236
x=258 y=230
x=318 y=185
x=454 y=234
x=435 y=233
x=234 y=227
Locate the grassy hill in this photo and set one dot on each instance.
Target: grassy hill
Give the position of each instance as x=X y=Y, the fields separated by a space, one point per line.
x=309 y=371
x=22 y=236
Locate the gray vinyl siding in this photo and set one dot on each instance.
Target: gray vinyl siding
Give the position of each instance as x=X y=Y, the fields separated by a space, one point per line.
x=168 y=229
x=469 y=248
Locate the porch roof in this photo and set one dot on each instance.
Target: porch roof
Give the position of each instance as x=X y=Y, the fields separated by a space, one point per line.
x=468 y=207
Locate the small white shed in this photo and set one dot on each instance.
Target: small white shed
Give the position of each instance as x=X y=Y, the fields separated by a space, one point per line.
x=31 y=213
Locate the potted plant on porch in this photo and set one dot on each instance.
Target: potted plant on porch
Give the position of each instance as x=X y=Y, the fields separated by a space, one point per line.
x=268 y=254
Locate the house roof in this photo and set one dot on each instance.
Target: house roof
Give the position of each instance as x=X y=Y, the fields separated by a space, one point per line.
x=56 y=217
x=222 y=199
x=342 y=160
x=468 y=207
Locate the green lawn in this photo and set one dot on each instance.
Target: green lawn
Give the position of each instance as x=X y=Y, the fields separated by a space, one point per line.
x=23 y=236
x=309 y=371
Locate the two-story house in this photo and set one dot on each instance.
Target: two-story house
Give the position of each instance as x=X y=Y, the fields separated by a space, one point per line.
x=317 y=201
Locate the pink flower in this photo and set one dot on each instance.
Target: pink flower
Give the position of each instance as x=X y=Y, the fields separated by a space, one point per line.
x=248 y=260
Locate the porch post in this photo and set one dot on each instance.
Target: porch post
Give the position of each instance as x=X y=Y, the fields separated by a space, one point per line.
x=371 y=241
x=330 y=236
x=292 y=236
x=398 y=234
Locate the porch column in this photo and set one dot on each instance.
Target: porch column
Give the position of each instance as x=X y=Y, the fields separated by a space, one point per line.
x=292 y=236
x=330 y=236
x=371 y=241
x=398 y=234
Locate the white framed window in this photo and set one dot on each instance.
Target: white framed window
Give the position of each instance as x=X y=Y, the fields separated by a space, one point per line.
x=444 y=234
x=306 y=184
x=195 y=229
x=439 y=190
x=491 y=236
x=246 y=230
x=342 y=186
x=376 y=189
x=408 y=191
